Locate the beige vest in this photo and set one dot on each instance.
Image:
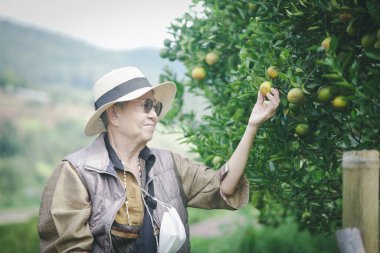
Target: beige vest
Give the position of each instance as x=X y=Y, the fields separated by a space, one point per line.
x=107 y=193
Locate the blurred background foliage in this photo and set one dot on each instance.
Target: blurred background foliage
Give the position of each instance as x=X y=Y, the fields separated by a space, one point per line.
x=324 y=58
x=45 y=100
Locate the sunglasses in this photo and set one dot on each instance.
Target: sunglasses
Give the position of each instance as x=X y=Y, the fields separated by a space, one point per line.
x=149 y=104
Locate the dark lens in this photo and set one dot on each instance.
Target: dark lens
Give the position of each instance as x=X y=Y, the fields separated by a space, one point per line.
x=148 y=104
x=158 y=108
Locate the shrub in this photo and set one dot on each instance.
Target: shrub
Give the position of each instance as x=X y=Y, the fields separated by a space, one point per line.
x=312 y=44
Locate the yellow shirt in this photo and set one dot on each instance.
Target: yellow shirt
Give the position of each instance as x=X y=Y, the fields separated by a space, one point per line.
x=121 y=226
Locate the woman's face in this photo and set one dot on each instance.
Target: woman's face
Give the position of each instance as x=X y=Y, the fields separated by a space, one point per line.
x=134 y=122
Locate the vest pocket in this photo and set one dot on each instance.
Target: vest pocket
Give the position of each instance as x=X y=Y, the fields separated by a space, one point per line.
x=166 y=186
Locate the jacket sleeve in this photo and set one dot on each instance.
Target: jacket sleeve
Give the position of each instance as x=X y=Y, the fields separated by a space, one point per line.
x=201 y=185
x=64 y=213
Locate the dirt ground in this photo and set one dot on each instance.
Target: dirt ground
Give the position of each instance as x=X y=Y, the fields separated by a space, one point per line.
x=17 y=216
x=217 y=226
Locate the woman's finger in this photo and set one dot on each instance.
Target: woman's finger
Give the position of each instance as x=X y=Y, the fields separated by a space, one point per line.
x=276 y=94
x=260 y=98
x=272 y=99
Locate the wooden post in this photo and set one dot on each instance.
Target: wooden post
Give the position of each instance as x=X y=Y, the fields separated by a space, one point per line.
x=361 y=195
x=350 y=241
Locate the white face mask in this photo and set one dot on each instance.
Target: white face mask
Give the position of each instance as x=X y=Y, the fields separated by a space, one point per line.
x=172 y=232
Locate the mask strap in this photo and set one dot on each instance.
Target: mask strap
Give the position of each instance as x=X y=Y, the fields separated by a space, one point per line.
x=156 y=199
x=151 y=219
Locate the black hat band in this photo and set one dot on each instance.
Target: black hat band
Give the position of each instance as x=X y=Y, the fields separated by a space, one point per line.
x=121 y=90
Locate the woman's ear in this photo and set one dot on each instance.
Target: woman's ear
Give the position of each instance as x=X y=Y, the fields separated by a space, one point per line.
x=113 y=116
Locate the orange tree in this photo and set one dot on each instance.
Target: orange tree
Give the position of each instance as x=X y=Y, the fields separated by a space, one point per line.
x=323 y=56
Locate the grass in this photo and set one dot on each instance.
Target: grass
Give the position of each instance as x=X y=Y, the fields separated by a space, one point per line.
x=286 y=238
x=20 y=237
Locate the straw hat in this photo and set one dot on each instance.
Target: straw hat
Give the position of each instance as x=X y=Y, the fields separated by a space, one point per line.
x=121 y=85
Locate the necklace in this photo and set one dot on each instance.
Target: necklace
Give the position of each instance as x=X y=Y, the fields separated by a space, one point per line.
x=125 y=187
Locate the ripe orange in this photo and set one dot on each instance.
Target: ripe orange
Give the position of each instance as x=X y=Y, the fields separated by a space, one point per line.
x=326 y=43
x=339 y=102
x=324 y=94
x=198 y=73
x=302 y=129
x=296 y=96
x=265 y=88
x=212 y=58
x=272 y=72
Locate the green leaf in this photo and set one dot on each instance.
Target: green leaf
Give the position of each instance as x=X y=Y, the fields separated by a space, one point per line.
x=373 y=53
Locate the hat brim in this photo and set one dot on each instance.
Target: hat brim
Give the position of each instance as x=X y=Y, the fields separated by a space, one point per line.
x=164 y=92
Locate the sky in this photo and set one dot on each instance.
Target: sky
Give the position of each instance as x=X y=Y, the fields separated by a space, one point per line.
x=112 y=24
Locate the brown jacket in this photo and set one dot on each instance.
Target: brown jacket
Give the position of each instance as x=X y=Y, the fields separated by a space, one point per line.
x=83 y=194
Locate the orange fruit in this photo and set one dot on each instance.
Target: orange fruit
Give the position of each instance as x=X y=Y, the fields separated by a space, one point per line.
x=252 y=7
x=212 y=58
x=377 y=44
x=324 y=94
x=265 y=88
x=306 y=215
x=216 y=161
x=167 y=42
x=302 y=129
x=180 y=55
x=326 y=43
x=164 y=52
x=294 y=107
x=339 y=102
x=296 y=96
x=272 y=72
x=368 y=40
x=345 y=16
x=198 y=73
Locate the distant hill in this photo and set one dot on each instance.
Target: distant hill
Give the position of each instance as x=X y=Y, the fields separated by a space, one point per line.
x=45 y=58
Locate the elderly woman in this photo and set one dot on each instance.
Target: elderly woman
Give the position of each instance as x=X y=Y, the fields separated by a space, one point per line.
x=113 y=195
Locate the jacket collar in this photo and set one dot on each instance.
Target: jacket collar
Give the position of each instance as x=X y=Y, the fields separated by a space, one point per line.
x=101 y=156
